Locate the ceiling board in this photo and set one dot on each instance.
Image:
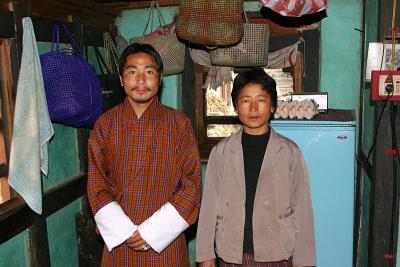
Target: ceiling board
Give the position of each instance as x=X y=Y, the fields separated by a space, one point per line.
x=117 y=4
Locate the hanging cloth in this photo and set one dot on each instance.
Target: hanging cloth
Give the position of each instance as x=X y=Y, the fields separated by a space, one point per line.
x=218 y=75
x=32 y=126
x=296 y=8
x=284 y=57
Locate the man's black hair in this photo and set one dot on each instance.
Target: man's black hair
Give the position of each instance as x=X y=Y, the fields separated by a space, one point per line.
x=141 y=48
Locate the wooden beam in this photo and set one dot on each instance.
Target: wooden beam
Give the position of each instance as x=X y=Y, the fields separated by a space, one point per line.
x=16 y=216
x=6 y=24
x=298 y=73
x=187 y=93
x=384 y=211
x=7 y=107
x=90 y=12
x=119 y=6
x=38 y=244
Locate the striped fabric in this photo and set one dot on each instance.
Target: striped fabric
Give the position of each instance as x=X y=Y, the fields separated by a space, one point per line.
x=142 y=164
x=248 y=261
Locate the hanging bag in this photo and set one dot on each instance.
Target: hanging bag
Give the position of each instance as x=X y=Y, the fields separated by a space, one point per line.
x=110 y=53
x=71 y=84
x=252 y=51
x=171 y=50
x=111 y=89
x=210 y=22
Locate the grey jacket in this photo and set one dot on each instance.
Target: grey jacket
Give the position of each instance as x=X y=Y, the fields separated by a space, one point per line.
x=283 y=224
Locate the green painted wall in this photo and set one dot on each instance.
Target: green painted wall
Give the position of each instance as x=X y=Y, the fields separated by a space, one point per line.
x=340 y=53
x=63 y=156
x=62 y=236
x=14 y=252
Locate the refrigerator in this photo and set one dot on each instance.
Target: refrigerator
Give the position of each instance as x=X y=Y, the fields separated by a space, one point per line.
x=328 y=144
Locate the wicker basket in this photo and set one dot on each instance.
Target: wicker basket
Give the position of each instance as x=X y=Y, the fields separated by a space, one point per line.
x=210 y=22
x=251 y=51
x=171 y=50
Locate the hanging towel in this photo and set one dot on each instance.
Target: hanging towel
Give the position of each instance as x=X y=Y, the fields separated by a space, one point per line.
x=217 y=75
x=32 y=126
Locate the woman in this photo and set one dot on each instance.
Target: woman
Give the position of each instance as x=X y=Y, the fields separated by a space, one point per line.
x=256 y=208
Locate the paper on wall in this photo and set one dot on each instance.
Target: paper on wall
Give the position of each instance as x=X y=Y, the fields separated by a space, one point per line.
x=380 y=58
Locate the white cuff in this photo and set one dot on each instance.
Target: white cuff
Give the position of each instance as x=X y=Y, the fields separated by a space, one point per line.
x=163 y=227
x=114 y=225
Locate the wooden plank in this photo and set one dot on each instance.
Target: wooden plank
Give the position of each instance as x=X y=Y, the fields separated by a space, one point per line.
x=16 y=216
x=38 y=244
x=6 y=115
x=199 y=98
x=6 y=24
x=298 y=73
x=7 y=107
x=384 y=212
x=4 y=187
x=5 y=5
x=93 y=36
x=276 y=29
x=118 y=6
x=90 y=244
x=44 y=29
x=20 y=12
x=187 y=94
x=83 y=138
x=90 y=13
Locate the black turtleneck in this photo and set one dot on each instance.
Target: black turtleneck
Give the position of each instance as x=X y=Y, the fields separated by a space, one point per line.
x=254 y=147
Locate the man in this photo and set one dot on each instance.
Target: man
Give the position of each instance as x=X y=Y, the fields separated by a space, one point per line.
x=144 y=178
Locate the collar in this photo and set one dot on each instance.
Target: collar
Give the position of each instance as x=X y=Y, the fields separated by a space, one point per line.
x=130 y=113
x=235 y=142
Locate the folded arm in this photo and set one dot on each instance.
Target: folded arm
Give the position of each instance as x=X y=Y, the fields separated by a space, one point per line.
x=182 y=209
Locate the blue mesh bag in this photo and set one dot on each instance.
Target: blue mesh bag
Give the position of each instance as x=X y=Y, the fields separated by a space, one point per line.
x=73 y=90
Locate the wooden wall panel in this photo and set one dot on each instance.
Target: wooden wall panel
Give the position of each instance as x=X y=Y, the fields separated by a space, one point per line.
x=90 y=12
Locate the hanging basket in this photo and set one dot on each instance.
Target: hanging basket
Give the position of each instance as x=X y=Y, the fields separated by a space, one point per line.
x=251 y=51
x=210 y=22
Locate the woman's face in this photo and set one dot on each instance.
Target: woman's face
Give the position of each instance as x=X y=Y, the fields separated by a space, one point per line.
x=254 y=108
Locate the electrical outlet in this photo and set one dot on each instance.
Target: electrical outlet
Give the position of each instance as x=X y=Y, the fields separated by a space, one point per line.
x=379 y=82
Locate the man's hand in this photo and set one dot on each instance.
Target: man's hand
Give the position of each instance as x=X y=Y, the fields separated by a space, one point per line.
x=136 y=242
x=208 y=263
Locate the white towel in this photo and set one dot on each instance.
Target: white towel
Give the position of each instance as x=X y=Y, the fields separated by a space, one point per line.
x=32 y=126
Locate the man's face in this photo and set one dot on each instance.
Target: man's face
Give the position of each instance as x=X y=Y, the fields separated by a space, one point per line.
x=140 y=78
x=254 y=108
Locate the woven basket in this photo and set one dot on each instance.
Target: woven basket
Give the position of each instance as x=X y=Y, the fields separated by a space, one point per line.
x=251 y=51
x=210 y=22
x=171 y=50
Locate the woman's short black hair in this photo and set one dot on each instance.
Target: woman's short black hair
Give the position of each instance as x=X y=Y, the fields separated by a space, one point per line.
x=141 y=48
x=254 y=76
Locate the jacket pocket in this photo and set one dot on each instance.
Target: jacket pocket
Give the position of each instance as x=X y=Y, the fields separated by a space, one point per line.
x=287 y=233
